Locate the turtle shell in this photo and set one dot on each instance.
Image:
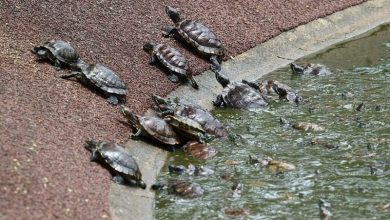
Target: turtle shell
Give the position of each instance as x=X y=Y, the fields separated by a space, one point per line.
x=158 y=129
x=185 y=189
x=240 y=95
x=172 y=59
x=105 y=79
x=186 y=126
x=62 y=51
x=199 y=36
x=120 y=160
x=200 y=150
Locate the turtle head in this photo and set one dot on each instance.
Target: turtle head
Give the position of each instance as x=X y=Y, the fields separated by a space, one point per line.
x=172 y=13
x=91 y=144
x=296 y=68
x=148 y=47
x=129 y=115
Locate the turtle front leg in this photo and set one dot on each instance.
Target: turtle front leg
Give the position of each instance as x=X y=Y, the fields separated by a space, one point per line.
x=173 y=78
x=57 y=64
x=152 y=60
x=218 y=102
x=118 y=179
x=135 y=136
x=169 y=32
x=72 y=74
x=215 y=64
x=94 y=155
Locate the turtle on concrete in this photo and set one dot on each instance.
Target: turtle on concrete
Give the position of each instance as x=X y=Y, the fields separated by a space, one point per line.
x=59 y=52
x=312 y=69
x=121 y=163
x=101 y=78
x=238 y=95
x=151 y=127
x=192 y=111
x=197 y=35
x=173 y=60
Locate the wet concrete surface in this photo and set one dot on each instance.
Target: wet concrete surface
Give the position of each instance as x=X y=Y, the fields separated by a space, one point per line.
x=45 y=171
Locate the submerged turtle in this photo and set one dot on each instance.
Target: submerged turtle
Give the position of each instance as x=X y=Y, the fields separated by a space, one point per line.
x=173 y=60
x=197 y=35
x=313 y=69
x=238 y=95
x=200 y=150
x=188 y=128
x=277 y=166
x=192 y=111
x=191 y=170
x=151 y=127
x=101 y=78
x=183 y=188
x=59 y=52
x=119 y=161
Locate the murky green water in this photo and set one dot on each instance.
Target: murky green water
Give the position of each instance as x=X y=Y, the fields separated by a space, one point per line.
x=341 y=176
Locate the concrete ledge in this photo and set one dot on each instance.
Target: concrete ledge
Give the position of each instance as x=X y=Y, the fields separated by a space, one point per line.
x=134 y=203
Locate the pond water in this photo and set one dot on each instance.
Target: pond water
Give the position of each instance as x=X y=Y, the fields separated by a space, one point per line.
x=340 y=175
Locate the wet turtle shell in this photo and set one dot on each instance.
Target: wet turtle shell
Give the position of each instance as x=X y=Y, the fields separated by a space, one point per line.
x=57 y=51
x=103 y=79
x=188 y=128
x=238 y=95
x=173 y=60
x=185 y=189
x=285 y=92
x=117 y=158
x=313 y=69
x=151 y=127
x=192 y=111
x=200 y=150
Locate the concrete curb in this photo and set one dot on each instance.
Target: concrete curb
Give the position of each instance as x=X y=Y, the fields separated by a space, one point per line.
x=134 y=203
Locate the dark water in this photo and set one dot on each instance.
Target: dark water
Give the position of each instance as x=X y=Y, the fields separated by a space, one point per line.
x=342 y=175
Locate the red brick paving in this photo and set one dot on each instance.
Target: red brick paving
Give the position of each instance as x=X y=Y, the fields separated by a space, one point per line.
x=44 y=120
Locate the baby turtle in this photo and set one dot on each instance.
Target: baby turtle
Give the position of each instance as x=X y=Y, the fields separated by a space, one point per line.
x=151 y=127
x=59 y=52
x=188 y=128
x=102 y=79
x=192 y=111
x=182 y=188
x=313 y=69
x=173 y=60
x=119 y=161
x=238 y=95
x=197 y=35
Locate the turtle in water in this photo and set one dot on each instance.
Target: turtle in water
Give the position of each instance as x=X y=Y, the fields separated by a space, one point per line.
x=200 y=151
x=197 y=35
x=59 y=52
x=238 y=95
x=313 y=69
x=173 y=60
x=101 y=78
x=188 y=128
x=183 y=188
x=121 y=163
x=151 y=127
x=192 y=111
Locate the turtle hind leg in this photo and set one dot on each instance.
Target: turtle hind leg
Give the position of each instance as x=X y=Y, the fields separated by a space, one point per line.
x=57 y=64
x=118 y=179
x=193 y=83
x=173 y=78
x=113 y=100
x=72 y=74
x=218 y=102
x=215 y=64
x=169 y=31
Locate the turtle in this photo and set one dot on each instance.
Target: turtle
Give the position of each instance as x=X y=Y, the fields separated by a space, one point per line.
x=151 y=127
x=264 y=87
x=313 y=69
x=173 y=60
x=191 y=170
x=238 y=95
x=200 y=151
x=183 y=188
x=197 y=35
x=277 y=166
x=59 y=52
x=192 y=111
x=188 y=128
x=119 y=161
x=236 y=212
x=101 y=78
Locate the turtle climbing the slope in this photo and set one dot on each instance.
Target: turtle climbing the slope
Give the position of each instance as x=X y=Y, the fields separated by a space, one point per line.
x=238 y=95
x=192 y=111
x=101 y=78
x=312 y=69
x=59 y=52
x=119 y=161
x=197 y=35
x=151 y=127
x=173 y=60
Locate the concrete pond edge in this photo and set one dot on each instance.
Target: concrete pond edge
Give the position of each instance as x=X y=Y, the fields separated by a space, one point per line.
x=134 y=203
